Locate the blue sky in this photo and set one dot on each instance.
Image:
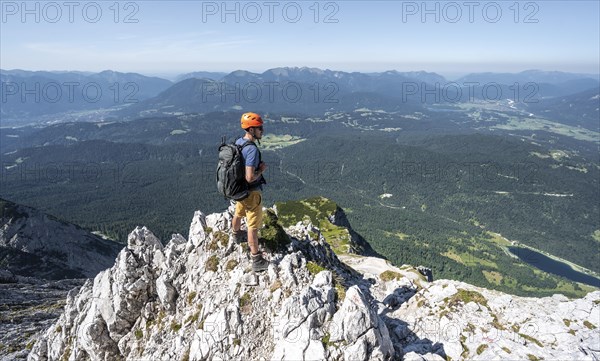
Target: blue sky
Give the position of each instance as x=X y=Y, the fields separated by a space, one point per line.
x=168 y=38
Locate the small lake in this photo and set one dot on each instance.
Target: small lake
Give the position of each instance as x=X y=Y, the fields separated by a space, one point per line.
x=550 y=265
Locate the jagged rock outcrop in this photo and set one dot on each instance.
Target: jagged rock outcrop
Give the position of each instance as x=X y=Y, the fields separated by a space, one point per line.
x=197 y=299
x=358 y=244
x=36 y=244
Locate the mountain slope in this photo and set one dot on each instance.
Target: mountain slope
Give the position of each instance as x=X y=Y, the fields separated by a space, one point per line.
x=580 y=110
x=291 y=90
x=39 y=95
x=36 y=244
x=195 y=299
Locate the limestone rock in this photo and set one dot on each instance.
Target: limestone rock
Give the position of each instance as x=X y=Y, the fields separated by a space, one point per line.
x=198 y=299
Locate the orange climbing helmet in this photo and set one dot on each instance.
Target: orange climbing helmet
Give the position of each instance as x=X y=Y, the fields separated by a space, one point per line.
x=250 y=120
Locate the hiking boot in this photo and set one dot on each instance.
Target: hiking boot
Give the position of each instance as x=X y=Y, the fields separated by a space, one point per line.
x=237 y=237
x=259 y=264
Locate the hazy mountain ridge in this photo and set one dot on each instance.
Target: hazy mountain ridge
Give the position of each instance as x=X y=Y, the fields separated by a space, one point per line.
x=314 y=91
x=200 y=75
x=536 y=76
x=287 y=89
x=27 y=94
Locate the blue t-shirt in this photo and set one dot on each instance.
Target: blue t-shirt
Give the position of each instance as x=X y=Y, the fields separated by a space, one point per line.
x=252 y=159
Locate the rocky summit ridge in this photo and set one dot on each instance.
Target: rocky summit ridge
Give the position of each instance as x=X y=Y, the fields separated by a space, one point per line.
x=197 y=299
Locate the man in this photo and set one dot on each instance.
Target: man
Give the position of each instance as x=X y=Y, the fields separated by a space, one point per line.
x=251 y=207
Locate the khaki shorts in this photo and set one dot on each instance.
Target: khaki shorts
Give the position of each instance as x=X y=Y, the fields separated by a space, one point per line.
x=251 y=208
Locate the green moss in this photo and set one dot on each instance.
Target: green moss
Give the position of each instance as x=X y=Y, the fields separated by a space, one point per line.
x=193 y=318
x=340 y=292
x=531 y=339
x=481 y=348
x=497 y=324
x=237 y=342
x=464 y=297
x=532 y=357
x=212 y=263
x=231 y=264
x=589 y=325
x=58 y=329
x=390 y=275
x=175 y=326
x=273 y=235
x=29 y=345
x=213 y=245
x=572 y=332
x=567 y=322
x=314 y=268
x=245 y=303
x=191 y=297
x=506 y=349
x=325 y=340
x=208 y=230
x=138 y=334
x=245 y=299
x=465 y=353
x=149 y=324
x=315 y=209
x=220 y=237
x=596 y=302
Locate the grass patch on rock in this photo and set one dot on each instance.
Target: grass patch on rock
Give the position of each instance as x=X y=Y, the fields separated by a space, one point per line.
x=212 y=263
x=191 y=297
x=390 y=275
x=589 y=325
x=314 y=268
x=464 y=297
x=230 y=265
x=273 y=235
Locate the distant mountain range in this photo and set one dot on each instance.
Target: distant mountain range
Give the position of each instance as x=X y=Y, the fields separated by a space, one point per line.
x=200 y=75
x=27 y=94
x=292 y=90
x=536 y=76
x=314 y=91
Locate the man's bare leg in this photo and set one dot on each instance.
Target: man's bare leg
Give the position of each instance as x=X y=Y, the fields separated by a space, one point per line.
x=253 y=240
x=236 y=223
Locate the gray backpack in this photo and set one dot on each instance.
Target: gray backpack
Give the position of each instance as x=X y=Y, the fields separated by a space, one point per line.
x=231 y=171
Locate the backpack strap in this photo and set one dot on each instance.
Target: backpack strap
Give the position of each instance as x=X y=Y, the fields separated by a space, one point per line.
x=249 y=142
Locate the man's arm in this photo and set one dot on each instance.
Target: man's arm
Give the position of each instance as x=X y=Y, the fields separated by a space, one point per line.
x=251 y=175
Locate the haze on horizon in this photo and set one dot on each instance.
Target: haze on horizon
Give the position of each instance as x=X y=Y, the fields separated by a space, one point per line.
x=170 y=38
